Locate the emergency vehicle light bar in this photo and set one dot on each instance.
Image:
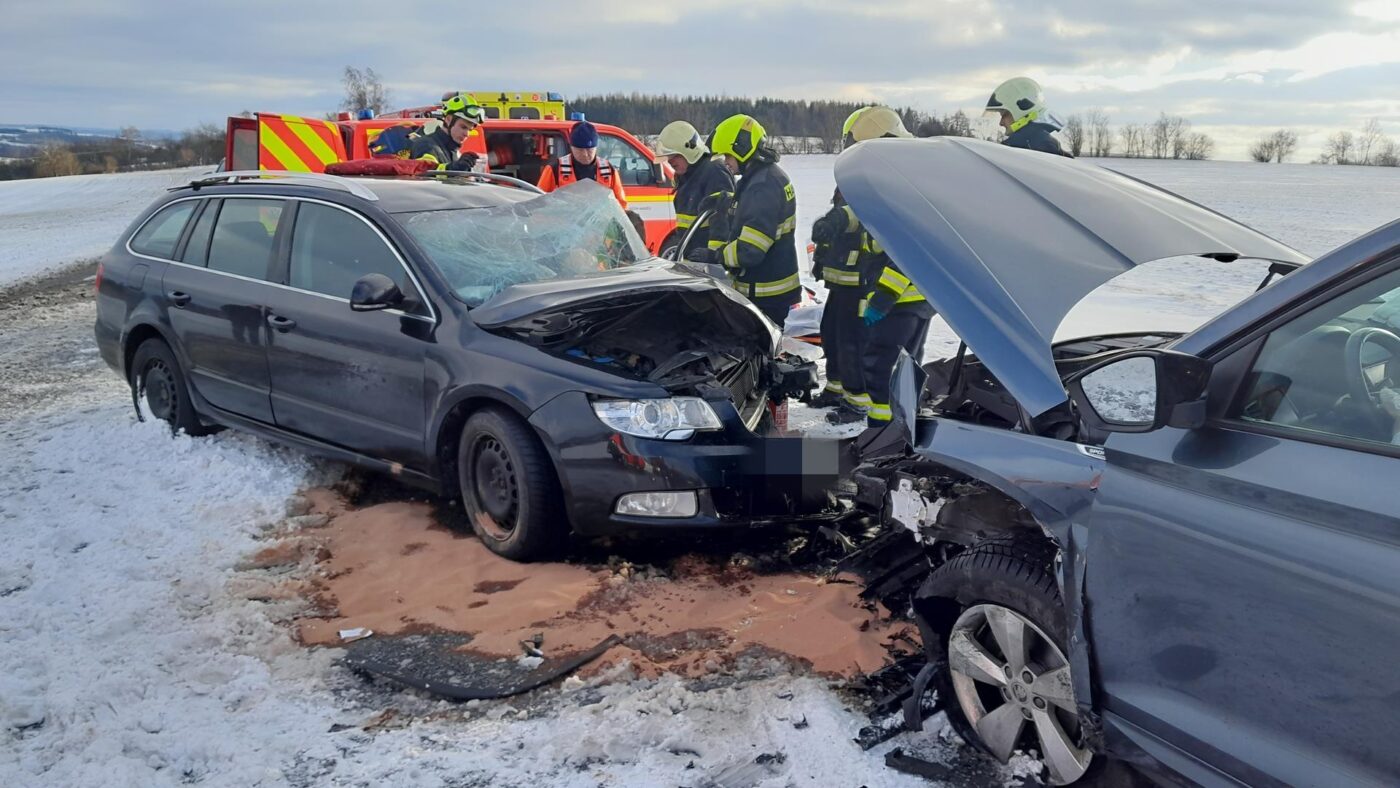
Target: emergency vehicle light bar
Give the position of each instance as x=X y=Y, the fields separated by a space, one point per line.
x=318 y=179
x=487 y=176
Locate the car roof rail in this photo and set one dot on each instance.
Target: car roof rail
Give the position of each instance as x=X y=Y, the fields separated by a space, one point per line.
x=290 y=178
x=485 y=176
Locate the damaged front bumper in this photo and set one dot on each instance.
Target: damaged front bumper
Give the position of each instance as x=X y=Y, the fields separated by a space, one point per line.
x=740 y=478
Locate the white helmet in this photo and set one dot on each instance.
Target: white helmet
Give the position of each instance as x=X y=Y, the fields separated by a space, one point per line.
x=681 y=139
x=876 y=122
x=1019 y=96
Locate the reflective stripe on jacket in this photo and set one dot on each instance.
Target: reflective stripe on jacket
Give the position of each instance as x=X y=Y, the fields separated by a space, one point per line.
x=891 y=289
x=438 y=148
x=760 y=251
x=837 y=237
x=561 y=173
x=705 y=185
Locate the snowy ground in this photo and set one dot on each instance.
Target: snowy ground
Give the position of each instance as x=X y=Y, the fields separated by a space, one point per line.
x=50 y=222
x=128 y=656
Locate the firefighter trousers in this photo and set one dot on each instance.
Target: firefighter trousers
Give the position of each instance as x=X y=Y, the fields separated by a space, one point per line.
x=900 y=330
x=843 y=341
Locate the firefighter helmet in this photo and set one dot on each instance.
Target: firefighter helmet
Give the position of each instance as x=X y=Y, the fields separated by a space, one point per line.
x=851 y=120
x=1018 y=96
x=876 y=122
x=463 y=106
x=681 y=139
x=738 y=136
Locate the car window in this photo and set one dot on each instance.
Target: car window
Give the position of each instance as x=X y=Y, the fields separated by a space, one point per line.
x=197 y=247
x=634 y=165
x=332 y=249
x=1335 y=370
x=158 y=236
x=243 y=237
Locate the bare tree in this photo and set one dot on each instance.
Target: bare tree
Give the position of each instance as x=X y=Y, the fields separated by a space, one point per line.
x=364 y=90
x=1285 y=144
x=1074 y=132
x=1338 y=149
x=56 y=160
x=1370 y=136
x=1388 y=155
x=1100 y=136
x=1134 y=140
x=1263 y=149
x=1160 y=136
x=1197 y=146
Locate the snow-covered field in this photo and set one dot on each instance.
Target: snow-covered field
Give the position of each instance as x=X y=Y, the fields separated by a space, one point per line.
x=130 y=656
x=50 y=222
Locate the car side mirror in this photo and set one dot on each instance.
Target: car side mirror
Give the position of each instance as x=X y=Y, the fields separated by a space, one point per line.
x=374 y=291
x=1142 y=391
x=658 y=174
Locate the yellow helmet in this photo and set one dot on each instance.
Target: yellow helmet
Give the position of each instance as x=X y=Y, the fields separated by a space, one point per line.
x=1019 y=96
x=876 y=122
x=738 y=136
x=463 y=106
x=851 y=120
x=681 y=139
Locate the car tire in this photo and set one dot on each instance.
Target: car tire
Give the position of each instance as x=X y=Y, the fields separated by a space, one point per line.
x=1002 y=587
x=159 y=389
x=510 y=493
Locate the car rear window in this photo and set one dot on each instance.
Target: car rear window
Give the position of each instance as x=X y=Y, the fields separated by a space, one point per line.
x=243 y=237
x=160 y=234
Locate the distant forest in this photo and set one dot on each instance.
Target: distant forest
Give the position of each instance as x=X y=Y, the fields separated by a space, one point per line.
x=803 y=126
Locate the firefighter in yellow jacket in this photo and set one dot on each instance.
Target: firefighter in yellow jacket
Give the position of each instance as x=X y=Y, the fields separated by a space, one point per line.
x=754 y=237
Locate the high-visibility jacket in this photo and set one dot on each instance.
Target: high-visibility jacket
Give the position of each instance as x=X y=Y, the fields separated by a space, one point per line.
x=563 y=171
x=890 y=288
x=706 y=184
x=837 y=236
x=759 y=248
x=438 y=148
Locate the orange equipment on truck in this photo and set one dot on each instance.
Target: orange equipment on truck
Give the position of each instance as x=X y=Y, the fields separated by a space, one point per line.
x=524 y=131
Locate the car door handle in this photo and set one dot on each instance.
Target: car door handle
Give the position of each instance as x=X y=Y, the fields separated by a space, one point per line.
x=178 y=298
x=282 y=324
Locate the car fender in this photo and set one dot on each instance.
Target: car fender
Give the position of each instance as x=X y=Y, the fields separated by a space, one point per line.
x=1056 y=481
x=147 y=315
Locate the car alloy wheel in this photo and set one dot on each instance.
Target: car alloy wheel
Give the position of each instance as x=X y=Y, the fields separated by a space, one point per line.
x=1008 y=676
x=495 y=485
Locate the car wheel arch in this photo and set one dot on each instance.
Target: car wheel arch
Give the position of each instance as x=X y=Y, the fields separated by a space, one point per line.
x=137 y=333
x=453 y=415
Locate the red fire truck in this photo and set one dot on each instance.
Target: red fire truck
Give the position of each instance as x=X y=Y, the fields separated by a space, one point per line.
x=524 y=131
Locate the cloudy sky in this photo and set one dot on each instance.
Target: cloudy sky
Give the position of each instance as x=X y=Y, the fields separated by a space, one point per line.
x=1235 y=68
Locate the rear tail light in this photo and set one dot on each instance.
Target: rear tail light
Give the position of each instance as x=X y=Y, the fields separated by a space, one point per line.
x=97 y=280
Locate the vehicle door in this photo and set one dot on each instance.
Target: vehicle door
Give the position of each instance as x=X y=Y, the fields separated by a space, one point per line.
x=353 y=379
x=215 y=296
x=651 y=197
x=1243 y=578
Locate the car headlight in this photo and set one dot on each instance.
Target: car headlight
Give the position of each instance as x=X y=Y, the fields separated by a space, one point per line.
x=676 y=418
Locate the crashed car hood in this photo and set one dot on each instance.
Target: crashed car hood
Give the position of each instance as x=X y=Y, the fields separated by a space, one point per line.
x=531 y=298
x=1004 y=242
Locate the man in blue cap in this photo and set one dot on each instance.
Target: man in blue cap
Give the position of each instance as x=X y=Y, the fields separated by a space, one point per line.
x=583 y=163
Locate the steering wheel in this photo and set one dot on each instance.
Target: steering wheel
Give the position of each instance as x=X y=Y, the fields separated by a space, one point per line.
x=1357 y=383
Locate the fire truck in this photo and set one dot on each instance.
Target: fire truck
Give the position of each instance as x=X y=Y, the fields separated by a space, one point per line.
x=524 y=131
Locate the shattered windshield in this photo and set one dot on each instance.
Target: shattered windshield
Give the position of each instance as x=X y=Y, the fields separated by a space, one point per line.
x=574 y=231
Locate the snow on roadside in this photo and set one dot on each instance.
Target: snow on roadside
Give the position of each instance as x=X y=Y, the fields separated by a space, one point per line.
x=47 y=223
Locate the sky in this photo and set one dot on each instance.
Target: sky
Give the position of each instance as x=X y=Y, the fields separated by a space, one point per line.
x=1235 y=68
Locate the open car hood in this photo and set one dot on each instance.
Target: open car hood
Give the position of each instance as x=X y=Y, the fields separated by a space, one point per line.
x=1004 y=242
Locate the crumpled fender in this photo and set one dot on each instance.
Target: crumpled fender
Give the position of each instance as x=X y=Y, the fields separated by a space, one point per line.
x=1056 y=481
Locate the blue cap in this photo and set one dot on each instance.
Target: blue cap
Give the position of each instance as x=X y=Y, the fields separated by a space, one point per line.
x=583 y=135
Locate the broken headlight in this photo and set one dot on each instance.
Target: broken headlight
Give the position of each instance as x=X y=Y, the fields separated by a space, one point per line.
x=676 y=418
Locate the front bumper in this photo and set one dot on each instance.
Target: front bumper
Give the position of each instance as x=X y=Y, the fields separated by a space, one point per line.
x=741 y=479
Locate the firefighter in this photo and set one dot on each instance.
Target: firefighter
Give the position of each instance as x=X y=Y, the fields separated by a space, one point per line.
x=836 y=237
x=443 y=146
x=702 y=183
x=1020 y=105
x=895 y=314
x=582 y=162
x=753 y=237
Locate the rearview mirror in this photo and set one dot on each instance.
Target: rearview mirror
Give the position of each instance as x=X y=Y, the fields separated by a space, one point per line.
x=1142 y=391
x=374 y=291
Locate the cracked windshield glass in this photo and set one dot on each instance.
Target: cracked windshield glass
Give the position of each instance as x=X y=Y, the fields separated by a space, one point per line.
x=575 y=231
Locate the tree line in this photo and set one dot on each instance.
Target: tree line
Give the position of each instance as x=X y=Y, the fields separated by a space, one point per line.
x=129 y=150
x=1167 y=137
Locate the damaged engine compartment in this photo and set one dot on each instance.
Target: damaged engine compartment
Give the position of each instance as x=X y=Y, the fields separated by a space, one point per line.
x=689 y=342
